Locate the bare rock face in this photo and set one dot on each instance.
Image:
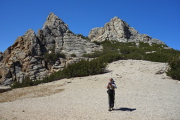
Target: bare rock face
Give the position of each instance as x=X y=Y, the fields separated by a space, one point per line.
x=73 y=44
x=116 y=29
x=55 y=33
x=119 y=30
x=21 y=58
x=25 y=58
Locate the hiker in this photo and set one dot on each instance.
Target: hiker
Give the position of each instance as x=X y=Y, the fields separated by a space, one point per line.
x=111 y=93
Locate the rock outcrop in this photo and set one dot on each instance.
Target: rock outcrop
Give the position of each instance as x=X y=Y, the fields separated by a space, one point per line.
x=119 y=30
x=26 y=56
x=55 y=33
x=22 y=59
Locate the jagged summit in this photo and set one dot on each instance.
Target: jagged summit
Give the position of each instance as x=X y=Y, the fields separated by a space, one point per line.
x=30 y=33
x=54 y=22
x=26 y=57
x=116 y=18
x=119 y=30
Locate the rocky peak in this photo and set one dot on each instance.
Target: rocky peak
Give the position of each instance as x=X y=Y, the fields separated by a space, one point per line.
x=116 y=29
x=26 y=57
x=52 y=33
x=117 y=23
x=51 y=19
x=119 y=30
x=54 y=22
x=29 y=33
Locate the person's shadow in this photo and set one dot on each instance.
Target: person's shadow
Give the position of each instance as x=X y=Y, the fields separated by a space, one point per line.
x=125 y=109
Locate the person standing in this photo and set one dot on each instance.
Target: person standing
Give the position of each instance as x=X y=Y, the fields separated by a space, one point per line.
x=111 y=93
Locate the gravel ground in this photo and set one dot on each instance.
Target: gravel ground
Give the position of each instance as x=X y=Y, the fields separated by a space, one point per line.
x=141 y=95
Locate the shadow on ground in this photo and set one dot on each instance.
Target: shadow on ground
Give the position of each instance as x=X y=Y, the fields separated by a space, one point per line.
x=125 y=109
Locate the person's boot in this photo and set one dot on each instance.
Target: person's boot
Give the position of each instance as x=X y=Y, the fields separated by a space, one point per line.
x=110 y=109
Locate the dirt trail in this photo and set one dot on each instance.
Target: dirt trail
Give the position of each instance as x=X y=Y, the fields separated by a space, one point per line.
x=141 y=95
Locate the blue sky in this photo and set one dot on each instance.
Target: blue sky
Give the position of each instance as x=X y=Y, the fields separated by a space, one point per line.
x=158 y=18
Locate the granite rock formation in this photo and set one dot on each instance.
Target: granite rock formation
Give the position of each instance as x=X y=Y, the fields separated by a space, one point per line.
x=119 y=30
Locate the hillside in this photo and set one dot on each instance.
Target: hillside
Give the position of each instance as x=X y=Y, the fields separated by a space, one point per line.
x=143 y=93
x=55 y=46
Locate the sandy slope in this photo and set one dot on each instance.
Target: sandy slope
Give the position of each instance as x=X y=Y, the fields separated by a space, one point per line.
x=141 y=95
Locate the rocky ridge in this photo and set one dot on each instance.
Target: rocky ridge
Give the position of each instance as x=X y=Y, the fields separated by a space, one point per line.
x=119 y=30
x=26 y=56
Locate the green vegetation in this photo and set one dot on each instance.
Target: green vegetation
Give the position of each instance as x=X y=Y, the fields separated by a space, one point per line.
x=94 y=55
x=112 y=51
x=69 y=31
x=83 y=37
x=73 y=55
x=79 y=69
x=52 y=57
x=143 y=51
x=25 y=83
x=174 y=70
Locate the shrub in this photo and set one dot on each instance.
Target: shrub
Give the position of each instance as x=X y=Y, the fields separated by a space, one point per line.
x=81 y=68
x=97 y=43
x=84 y=68
x=125 y=50
x=25 y=83
x=52 y=57
x=69 y=31
x=94 y=55
x=135 y=56
x=82 y=36
x=107 y=58
x=143 y=45
x=61 y=55
x=174 y=70
x=157 y=57
x=73 y=55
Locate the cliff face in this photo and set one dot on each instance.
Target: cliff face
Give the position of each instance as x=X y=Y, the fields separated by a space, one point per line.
x=119 y=30
x=26 y=56
x=55 y=33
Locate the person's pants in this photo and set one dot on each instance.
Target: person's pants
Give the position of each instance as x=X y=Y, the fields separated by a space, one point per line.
x=111 y=96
